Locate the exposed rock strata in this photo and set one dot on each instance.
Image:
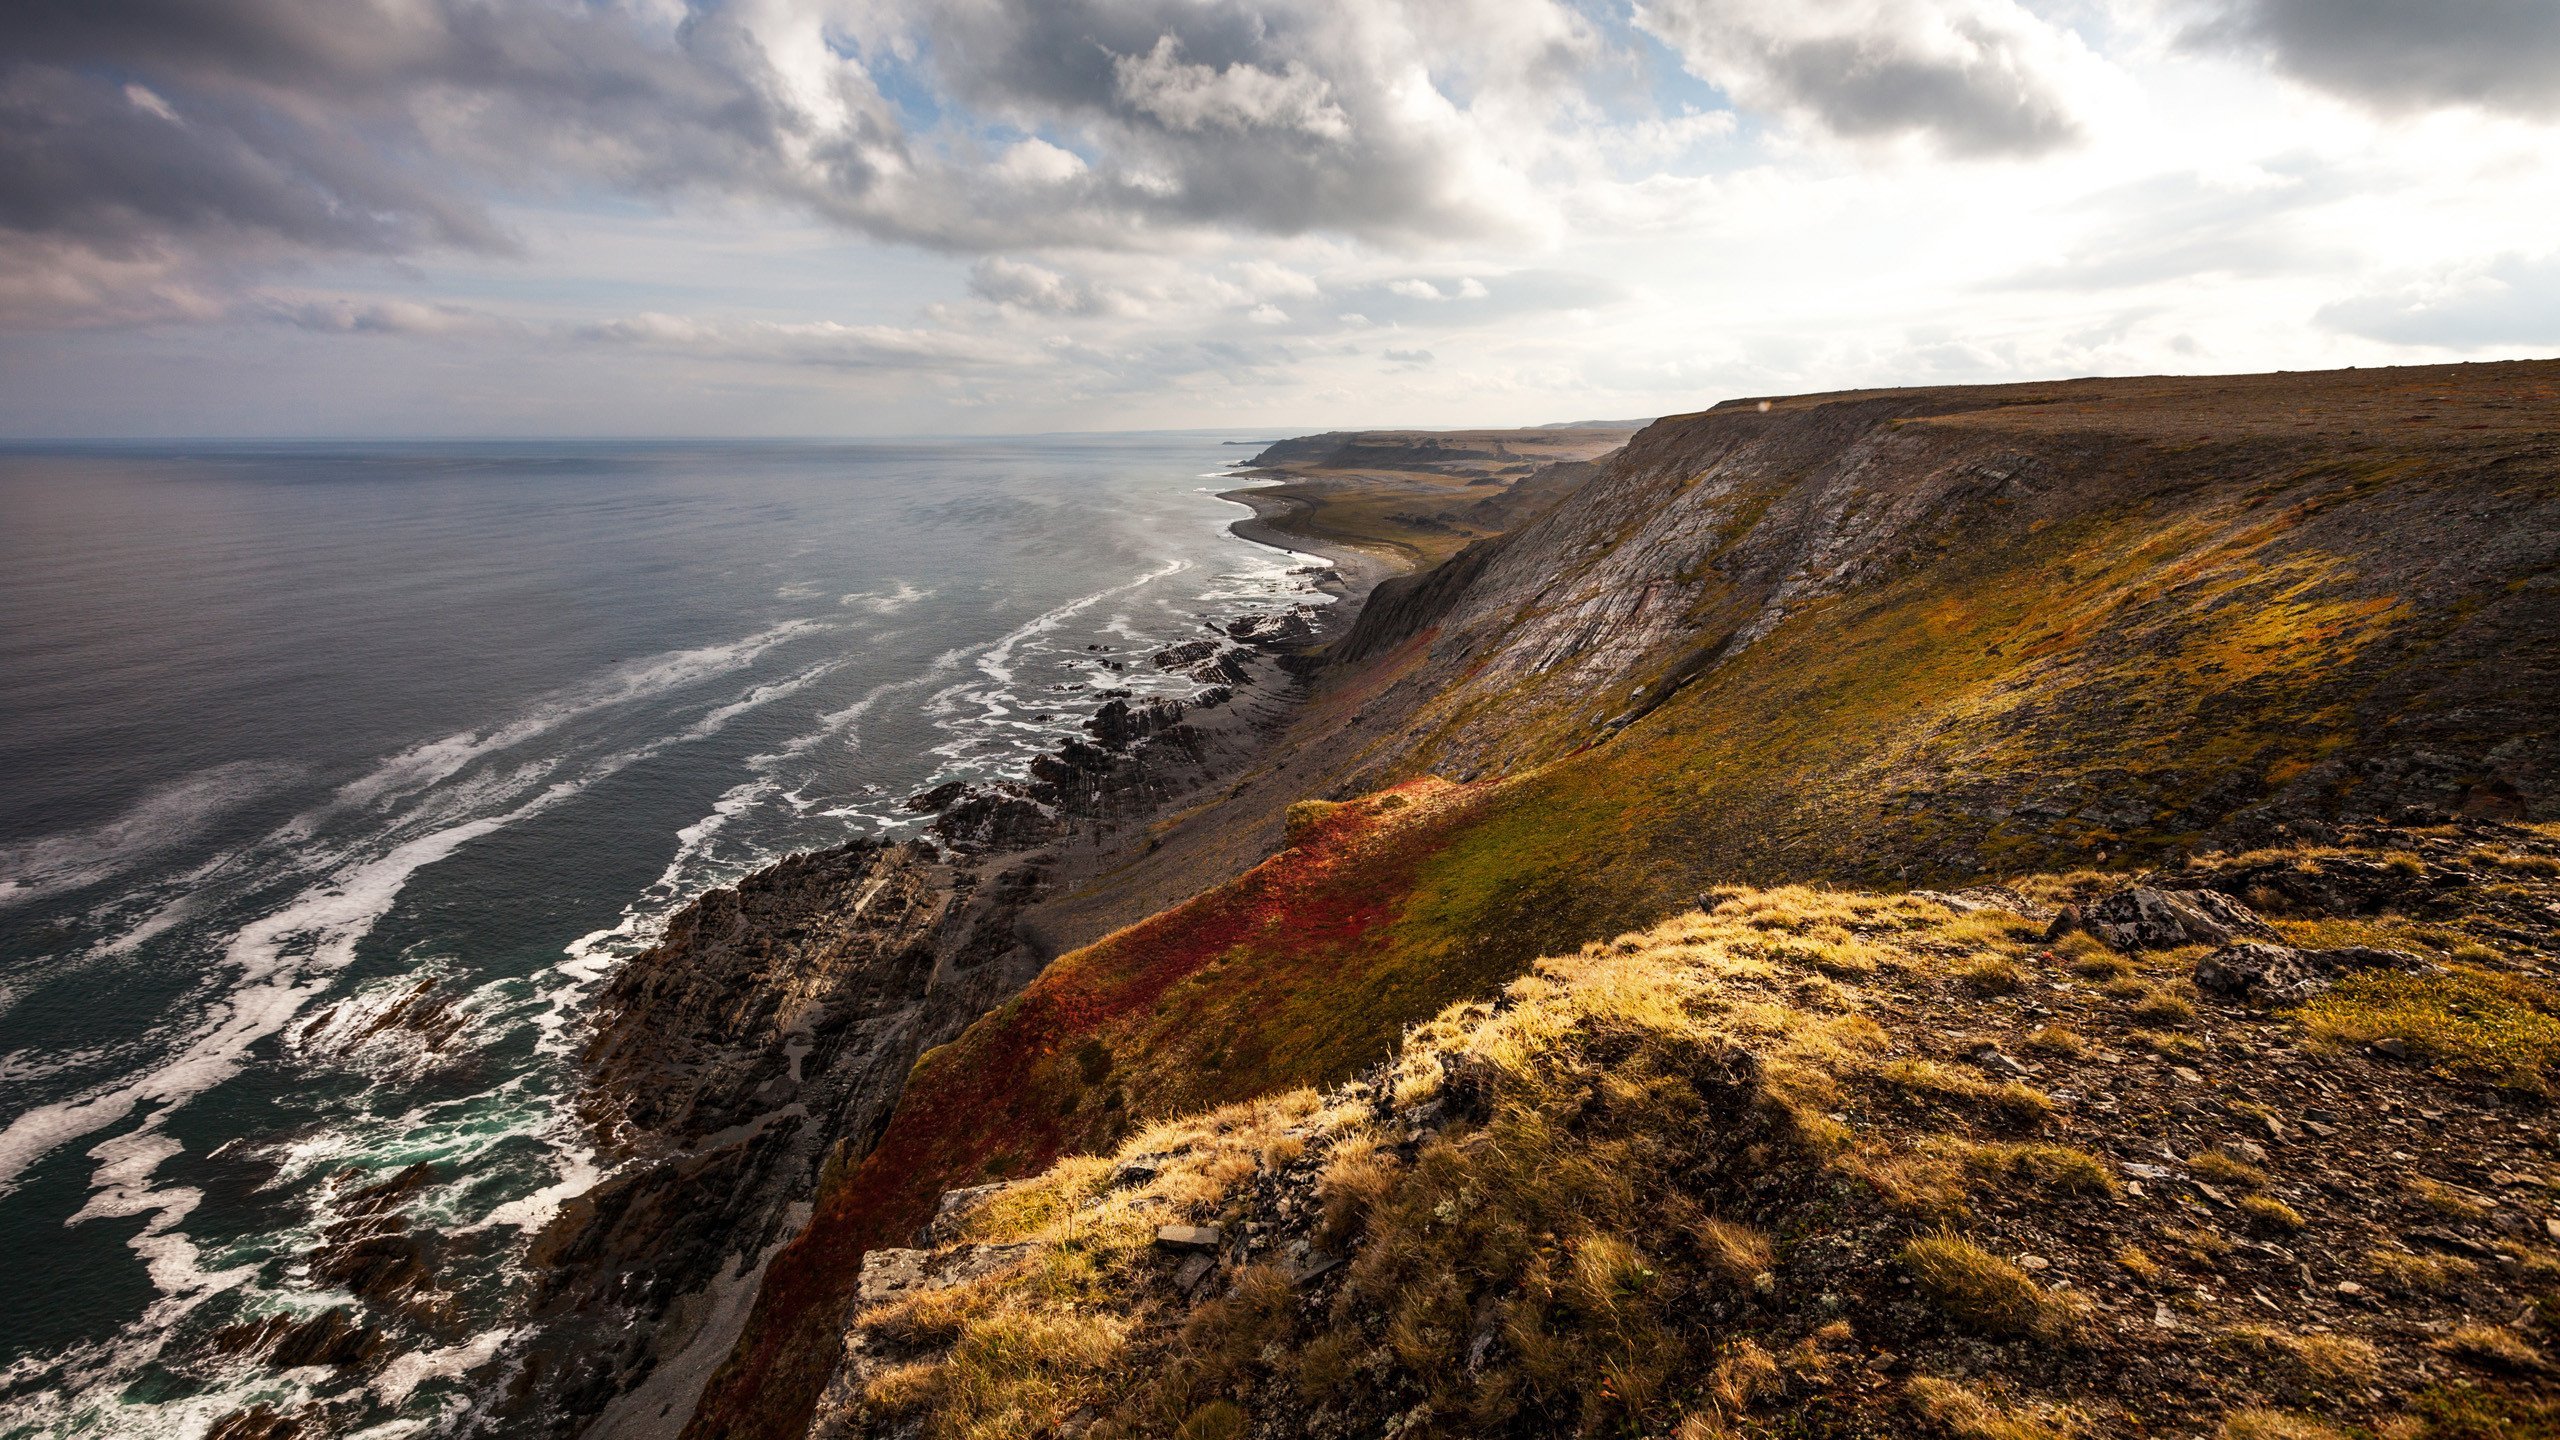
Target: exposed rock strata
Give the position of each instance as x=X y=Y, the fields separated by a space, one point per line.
x=766 y=1036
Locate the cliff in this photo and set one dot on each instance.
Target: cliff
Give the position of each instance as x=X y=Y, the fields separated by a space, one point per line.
x=1878 y=640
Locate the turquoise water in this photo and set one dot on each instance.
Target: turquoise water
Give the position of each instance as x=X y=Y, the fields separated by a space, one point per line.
x=292 y=733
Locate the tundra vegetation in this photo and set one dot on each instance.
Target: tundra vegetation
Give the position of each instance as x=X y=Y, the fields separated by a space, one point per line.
x=1773 y=696
x=1705 y=1180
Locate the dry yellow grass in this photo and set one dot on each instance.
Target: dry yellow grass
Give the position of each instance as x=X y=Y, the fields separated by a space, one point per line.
x=2271 y=1214
x=1991 y=975
x=1634 y=1148
x=1740 y=1253
x=1963 y=1413
x=2159 y=1009
x=2319 y=1358
x=2275 y=1425
x=1931 y=1080
x=2412 y=1274
x=2049 y=1169
x=2446 y=1199
x=1984 y=1292
x=2226 y=1168
x=2058 y=1040
x=2494 y=1347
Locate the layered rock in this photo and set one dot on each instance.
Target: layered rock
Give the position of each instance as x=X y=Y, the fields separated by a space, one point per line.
x=768 y=1031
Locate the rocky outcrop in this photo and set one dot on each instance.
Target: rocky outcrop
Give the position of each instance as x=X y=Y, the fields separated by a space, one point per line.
x=2142 y=918
x=768 y=1031
x=1141 y=755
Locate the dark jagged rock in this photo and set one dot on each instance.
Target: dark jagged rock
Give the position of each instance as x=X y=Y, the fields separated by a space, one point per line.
x=1119 y=723
x=996 y=817
x=769 y=1028
x=259 y=1422
x=766 y=1037
x=333 y=1337
x=1184 y=655
x=937 y=799
x=2256 y=970
x=371 y=1252
x=1284 y=627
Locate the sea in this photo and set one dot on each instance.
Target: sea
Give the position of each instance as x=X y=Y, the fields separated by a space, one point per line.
x=294 y=733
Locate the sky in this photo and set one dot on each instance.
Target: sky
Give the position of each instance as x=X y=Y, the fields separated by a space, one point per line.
x=856 y=217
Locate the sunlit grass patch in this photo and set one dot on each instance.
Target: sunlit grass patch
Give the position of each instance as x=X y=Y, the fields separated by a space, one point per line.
x=1983 y=1292
x=2271 y=1214
x=2226 y=1167
x=2406 y=1273
x=2257 y=1424
x=2049 y=1169
x=1964 y=1413
x=2470 y=1021
x=2010 y=1101
x=2314 y=1357
x=2059 y=1040
x=2494 y=1347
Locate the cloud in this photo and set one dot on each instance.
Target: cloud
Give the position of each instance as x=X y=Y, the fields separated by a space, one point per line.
x=1035 y=287
x=345 y=316
x=1974 y=77
x=2393 y=55
x=824 y=344
x=118 y=166
x=1238 y=98
x=2512 y=301
x=2183 y=226
x=240 y=135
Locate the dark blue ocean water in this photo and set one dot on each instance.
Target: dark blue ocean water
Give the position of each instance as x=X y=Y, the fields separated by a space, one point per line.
x=288 y=730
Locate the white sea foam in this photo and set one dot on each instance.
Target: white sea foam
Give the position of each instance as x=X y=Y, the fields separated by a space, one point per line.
x=423 y=765
x=886 y=602
x=290 y=956
x=168 y=816
x=997 y=659
x=406 y=1373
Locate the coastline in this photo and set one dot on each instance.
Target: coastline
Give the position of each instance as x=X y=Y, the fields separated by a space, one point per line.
x=968 y=935
x=1361 y=569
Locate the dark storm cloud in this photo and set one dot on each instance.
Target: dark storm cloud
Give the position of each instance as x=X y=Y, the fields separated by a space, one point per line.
x=2396 y=55
x=237 y=133
x=111 y=163
x=1973 y=77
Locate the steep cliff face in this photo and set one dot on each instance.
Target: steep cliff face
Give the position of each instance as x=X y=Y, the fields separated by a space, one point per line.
x=2256 y=530
x=769 y=1030
x=1923 y=637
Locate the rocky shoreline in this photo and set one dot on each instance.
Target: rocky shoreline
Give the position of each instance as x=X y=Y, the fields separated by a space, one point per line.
x=761 y=1044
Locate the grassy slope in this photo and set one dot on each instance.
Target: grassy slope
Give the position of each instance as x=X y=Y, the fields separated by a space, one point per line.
x=1736 y=1175
x=2207 y=623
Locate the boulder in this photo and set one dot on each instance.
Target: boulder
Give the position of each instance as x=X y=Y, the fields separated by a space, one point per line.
x=997 y=817
x=890 y=1274
x=1190 y=1237
x=2256 y=970
x=937 y=799
x=2142 y=918
x=2364 y=957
